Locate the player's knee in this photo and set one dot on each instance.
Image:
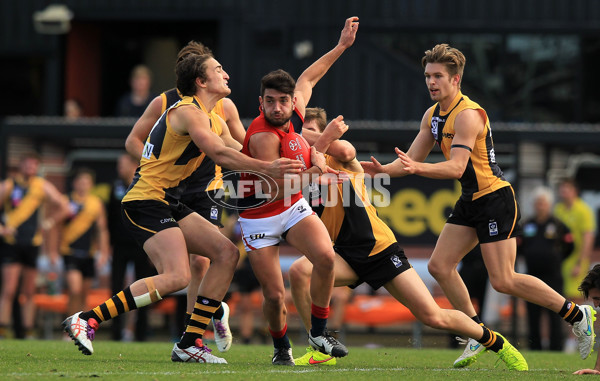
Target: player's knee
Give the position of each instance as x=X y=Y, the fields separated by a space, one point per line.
x=199 y=264
x=228 y=255
x=177 y=280
x=434 y=321
x=502 y=285
x=324 y=261
x=299 y=272
x=274 y=296
x=435 y=269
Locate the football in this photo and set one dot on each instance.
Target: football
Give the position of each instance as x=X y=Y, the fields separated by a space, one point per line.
x=294 y=146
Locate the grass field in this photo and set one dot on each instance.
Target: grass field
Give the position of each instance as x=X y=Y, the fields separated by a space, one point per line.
x=30 y=360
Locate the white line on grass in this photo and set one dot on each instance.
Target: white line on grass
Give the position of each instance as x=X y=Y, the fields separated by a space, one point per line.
x=225 y=371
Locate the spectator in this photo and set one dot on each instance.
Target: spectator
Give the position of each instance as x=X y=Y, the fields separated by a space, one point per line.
x=84 y=232
x=135 y=102
x=579 y=218
x=545 y=243
x=125 y=250
x=73 y=109
x=22 y=197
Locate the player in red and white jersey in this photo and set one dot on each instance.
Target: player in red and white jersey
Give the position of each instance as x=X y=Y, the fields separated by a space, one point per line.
x=265 y=222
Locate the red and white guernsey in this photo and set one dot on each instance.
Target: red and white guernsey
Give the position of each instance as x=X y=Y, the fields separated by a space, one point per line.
x=250 y=206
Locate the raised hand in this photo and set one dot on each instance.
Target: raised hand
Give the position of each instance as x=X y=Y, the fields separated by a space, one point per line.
x=349 y=32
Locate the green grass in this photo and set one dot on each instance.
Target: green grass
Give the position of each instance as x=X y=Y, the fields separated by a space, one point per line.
x=29 y=360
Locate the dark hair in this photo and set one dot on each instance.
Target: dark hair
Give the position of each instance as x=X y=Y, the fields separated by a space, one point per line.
x=192 y=47
x=570 y=181
x=591 y=280
x=188 y=69
x=84 y=171
x=279 y=80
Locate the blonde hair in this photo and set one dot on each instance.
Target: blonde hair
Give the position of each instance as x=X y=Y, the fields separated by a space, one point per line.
x=451 y=58
x=141 y=70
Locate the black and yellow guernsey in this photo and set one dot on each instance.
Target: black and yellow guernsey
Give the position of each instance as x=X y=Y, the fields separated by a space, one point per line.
x=209 y=176
x=79 y=231
x=350 y=219
x=22 y=209
x=482 y=175
x=168 y=159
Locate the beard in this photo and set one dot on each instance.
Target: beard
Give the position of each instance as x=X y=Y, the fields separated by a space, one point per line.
x=280 y=121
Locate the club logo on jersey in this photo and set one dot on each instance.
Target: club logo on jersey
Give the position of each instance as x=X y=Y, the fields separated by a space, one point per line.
x=148 y=148
x=493 y=228
x=434 y=126
x=214 y=213
x=492 y=155
x=396 y=261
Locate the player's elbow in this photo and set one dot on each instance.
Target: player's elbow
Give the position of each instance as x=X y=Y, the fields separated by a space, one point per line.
x=347 y=153
x=219 y=155
x=457 y=171
x=131 y=147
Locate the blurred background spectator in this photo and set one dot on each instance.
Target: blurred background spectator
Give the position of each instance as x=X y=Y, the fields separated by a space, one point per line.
x=135 y=102
x=545 y=242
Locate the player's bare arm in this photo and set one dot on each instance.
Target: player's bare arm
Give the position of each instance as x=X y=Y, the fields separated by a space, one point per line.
x=134 y=144
x=227 y=138
x=468 y=125
x=309 y=78
x=58 y=202
x=418 y=151
x=336 y=147
x=343 y=151
x=232 y=118
x=188 y=119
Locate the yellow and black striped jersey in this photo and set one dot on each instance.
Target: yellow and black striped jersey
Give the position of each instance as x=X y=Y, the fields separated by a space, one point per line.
x=209 y=176
x=168 y=159
x=482 y=175
x=78 y=233
x=22 y=208
x=351 y=220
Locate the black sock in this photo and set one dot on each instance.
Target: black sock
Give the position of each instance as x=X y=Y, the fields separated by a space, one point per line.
x=477 y=320
x=219 y=312
x=570 y=312
x=490 y=340
x=203 y=312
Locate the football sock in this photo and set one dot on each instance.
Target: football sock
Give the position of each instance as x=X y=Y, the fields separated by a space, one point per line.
x=186 y=319
x=570 y=312
x=116 y=305
x=219 y=312
x=477 y=319
x=280 y=338
x=490 y=340
x=203 y=312
x=318 y=320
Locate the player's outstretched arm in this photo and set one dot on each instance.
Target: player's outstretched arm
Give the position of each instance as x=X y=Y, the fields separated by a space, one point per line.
x=309 y=78
x=193 y=121
x=134 y=144
x=232 y=118
x=418 y=152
